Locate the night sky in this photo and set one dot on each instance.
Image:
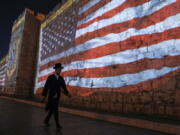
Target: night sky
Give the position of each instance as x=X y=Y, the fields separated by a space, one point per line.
x=10 y=10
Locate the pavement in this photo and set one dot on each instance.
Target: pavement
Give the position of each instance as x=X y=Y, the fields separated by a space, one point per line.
x=23 y=119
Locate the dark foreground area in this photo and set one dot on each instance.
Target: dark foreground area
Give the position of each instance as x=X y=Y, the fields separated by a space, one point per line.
x=22 y=119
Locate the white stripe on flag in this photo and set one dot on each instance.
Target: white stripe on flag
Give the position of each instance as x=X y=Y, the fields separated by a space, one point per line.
x=128 y=14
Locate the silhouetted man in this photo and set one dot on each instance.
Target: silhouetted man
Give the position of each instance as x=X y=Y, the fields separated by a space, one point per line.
x=52 y=88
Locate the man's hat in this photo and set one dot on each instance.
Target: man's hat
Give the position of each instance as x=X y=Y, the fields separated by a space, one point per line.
x=58 y=65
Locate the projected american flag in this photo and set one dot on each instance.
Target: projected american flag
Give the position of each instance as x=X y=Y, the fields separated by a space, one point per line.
x=120 y=45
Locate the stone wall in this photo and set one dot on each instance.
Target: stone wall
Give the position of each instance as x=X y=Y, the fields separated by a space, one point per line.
x=159 y=96
x=22 y=57
x=28 y=54
x=162 y=101
x=137 y=49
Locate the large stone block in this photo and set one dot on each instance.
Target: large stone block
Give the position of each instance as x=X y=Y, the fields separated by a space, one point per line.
x=177 y=97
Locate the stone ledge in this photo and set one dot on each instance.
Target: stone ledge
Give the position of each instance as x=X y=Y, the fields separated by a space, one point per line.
x=167 y=128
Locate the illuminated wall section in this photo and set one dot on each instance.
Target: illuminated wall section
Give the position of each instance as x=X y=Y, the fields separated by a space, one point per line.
x=125 y=43
x=13 y=55
x=57 y=36
x=3 y=68
x=126 y=56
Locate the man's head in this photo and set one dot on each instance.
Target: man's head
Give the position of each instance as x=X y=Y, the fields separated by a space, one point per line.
x=58 y=67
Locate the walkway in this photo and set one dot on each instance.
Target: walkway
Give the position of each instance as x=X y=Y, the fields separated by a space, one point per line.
x=23 y=119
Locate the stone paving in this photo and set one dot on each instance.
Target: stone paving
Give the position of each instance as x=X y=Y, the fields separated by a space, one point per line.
x=23 y=119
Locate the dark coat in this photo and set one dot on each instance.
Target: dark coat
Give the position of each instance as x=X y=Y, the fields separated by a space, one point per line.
x=53 y=88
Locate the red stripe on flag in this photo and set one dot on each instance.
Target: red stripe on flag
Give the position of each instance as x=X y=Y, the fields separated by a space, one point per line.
x=137 y=23
x=83 y=2
x=113 y=12
x=93 y=9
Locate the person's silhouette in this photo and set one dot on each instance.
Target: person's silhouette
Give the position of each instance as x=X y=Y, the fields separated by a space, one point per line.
x=52 y=88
